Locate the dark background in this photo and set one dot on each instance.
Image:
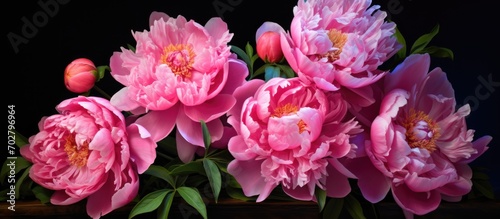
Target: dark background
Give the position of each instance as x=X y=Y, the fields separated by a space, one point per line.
x=33 y=75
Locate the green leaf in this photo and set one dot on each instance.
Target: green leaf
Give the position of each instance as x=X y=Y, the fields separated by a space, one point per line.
x=333 y=208
x=18 y=164
x=241 y=54
x=485 y=188
x=237 y=193
x=206 y=135
x=423 y=40
x=288 y=70
x=249 y=49
x=193 y=198
x=321 y=198
x=214 y=177
x=439 y=52
x=162 y=173
x=20 y=180
x=101 y=72
x=166 y=205
x=188 y=168
x=132 y=48
x=354 y=208
x=401 y=54
x=42 y=194
x=20 y=140
x=149 y=203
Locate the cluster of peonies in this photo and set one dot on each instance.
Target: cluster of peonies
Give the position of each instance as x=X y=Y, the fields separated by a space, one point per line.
x=341 y=118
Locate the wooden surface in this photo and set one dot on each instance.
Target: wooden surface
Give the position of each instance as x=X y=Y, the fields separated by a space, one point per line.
x=236 y=209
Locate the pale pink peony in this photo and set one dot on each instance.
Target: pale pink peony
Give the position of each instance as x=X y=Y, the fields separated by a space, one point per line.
x=290 y=135
x=180 y=74
x=339 y=43
x=80 y=75
x=418 y=142
x=88 y=151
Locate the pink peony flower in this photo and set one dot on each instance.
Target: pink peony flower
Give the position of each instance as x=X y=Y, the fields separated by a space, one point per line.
x=80 y=75
x=87 y=151
x=180 y=74
x=419 y=144
x=268 y=42
x=291 y=135
x=337 y=43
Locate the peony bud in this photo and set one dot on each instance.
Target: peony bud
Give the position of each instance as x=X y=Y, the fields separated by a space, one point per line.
x=80 y=75
x=269 y=47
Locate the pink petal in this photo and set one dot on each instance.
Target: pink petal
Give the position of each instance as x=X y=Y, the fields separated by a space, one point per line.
x=373 y=184
x=121 y=100
x=191 y=130
x=239 y=149
x=210 y=109
x=185 y=150
x=248 y=175
x=61 y=198
x=159 y=123
x=418 y=67
x=142 y=147
x=419 y=203
x=337 y=184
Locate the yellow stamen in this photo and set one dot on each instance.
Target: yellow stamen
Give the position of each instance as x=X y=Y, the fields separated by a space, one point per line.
x=421 y=131
x=288 y=109
x=338 y=39
x=77 y=155
x=179 y=58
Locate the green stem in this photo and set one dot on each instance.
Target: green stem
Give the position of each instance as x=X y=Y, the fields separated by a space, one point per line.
x=164 y=156
x=102 y=92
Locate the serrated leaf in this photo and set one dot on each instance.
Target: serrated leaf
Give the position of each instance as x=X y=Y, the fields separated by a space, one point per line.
x=42 y=194
x=354 y=208
x=439 y=52
x=149 y=202
x=207 y=139
x=164 y=209
x=161 y=173
x=188 y=168
x=214 y=177
x=321 y=198
x=193 y=198
x=333 y=208
x=424 y=40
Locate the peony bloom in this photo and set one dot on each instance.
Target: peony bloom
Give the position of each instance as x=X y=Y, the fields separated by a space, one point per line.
x=180 y=74
x=291 y=135
x=419 y=144
x=339 y=43
x=87 y=151
x=268 y=42
x=80 y=75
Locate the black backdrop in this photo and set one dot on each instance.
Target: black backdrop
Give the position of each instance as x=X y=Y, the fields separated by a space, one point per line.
x=63 y=30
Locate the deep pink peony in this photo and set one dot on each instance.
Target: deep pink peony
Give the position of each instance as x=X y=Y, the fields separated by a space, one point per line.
x=418 y=142
x=80 y=75
x=268 y=44
x=290 y=135
x=88 y=151
x=339 y=43
x=180 y=74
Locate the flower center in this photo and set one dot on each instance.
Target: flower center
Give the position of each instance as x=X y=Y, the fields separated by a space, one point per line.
x=338 y=39
x=421 y=131
x=288 y=109
x=179 y=58
x=77 y=155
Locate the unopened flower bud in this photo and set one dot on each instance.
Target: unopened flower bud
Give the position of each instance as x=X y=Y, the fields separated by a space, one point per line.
x=80 y=75
x=269 y=47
